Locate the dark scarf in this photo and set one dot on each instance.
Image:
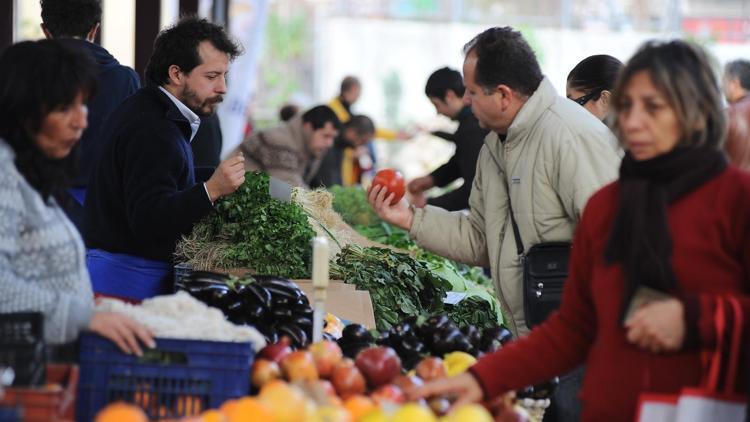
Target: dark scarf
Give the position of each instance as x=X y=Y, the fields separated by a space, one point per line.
x=640 y=238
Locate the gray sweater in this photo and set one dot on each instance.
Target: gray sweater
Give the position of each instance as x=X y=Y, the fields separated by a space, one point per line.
x=42 y=257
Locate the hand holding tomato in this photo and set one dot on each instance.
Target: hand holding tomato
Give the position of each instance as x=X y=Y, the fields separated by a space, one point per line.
x=393 y=181
x=388 y=207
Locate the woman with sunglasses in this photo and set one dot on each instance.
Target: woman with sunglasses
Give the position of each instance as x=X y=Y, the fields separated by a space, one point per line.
x=672 y=235
x=590 y=83
x=44 y=87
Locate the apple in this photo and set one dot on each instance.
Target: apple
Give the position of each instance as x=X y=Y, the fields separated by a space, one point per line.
x=347 y=380
x=265 y=370
x=388 y=393
x=431 y=368
x=379 y=365
x=299 y=366
x=278 y=351
x=327 y=354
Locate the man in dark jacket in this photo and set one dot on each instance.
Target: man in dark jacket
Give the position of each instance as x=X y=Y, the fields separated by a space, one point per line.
x=143 y=194
x=78 y=22
x=355 y=135
x=445 y=89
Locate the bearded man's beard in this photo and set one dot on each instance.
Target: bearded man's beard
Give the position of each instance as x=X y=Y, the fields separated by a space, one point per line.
x=201 y=107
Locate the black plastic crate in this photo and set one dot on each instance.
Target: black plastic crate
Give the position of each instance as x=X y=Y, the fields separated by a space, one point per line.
x=22 y=347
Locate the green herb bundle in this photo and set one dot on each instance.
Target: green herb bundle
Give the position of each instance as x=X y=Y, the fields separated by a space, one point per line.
x=351 y=203
x=399 y=285
x=252 y=230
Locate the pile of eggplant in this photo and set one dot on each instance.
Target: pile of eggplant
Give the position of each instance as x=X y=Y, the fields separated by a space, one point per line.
x=413 y=339
x=274 y=306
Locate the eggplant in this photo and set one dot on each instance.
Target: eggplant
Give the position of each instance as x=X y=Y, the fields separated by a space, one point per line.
x=302 y=322
x=280 y=314
x=280 y=286
x=446 y=341
x=257 y=313
x=255 y=293
x=493 y=338
x=278 y=301
x=235 y=308
x=295 y=333
x=357 y=333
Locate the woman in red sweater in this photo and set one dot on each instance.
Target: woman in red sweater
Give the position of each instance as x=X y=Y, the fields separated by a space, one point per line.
x=677 y=221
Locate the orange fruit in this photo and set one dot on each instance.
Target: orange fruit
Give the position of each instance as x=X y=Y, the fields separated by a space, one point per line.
x=213 y=416
x=228 y=407
x=249 y=409
x=286 y=402
x=358 y=406
x=121 y=412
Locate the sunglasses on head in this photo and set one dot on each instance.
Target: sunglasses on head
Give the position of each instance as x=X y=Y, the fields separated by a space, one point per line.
x=583 y=99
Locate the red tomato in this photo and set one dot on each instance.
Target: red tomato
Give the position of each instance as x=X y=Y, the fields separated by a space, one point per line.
x=393 y=182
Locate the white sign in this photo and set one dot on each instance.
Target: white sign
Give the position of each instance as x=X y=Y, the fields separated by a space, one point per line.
x=247 y=23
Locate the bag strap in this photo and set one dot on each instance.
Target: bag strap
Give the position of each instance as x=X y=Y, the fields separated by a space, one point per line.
x=516 y=232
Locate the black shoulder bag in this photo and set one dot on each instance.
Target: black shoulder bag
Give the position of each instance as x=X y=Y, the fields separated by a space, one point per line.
x=545 y=268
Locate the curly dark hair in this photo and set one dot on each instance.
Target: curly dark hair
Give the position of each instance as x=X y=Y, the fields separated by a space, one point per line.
x=70 y=18
x=178 y=45
x=740 y=69
x=37 y=77
x=504 y=58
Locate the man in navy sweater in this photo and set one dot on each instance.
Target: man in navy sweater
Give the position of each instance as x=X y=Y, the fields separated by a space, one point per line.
x=77 y=21
x=143 y=193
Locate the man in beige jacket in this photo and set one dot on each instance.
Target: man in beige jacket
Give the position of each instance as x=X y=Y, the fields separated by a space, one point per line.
x=293 y=150
x=545 y=154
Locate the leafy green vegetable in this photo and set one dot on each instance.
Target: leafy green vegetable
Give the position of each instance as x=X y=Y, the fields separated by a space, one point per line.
x=256 y=231
x=473 y=310
x=399 y=285
x=351 y=203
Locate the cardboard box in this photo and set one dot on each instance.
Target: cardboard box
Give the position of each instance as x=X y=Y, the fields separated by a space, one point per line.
x=344 y=301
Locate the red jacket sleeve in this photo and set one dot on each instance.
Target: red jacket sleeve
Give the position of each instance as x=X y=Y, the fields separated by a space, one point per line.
x=556 y=346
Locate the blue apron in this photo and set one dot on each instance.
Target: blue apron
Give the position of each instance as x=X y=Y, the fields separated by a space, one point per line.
x=127 y=276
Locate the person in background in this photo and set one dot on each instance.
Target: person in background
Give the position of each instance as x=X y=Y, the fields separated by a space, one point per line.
x=143 y=193
x=351 y=89
x=78 y=21
x=44 y=87
x=287 y=111
x=292 y=151
x=591 y=82
x=445 y=89
x=737 y=94
x=336 y=168
x=545 y=155
x=677 y=221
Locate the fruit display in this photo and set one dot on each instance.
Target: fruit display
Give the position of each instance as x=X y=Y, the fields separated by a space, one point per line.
x=392 y=181
x=415 y=338
x=274 y=306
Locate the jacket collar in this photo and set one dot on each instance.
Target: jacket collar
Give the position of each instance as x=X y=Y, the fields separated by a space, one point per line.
x=296 y=127
x=171 y=112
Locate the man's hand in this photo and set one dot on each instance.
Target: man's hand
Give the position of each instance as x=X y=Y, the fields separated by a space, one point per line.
x=420 y=184
x=227 y=178
x=398 y=214
x=658 y=326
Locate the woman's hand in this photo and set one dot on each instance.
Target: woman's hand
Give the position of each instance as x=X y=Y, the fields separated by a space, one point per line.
x=122 y=331
x=658 y=326
x=399 y=214
x=465 y=388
